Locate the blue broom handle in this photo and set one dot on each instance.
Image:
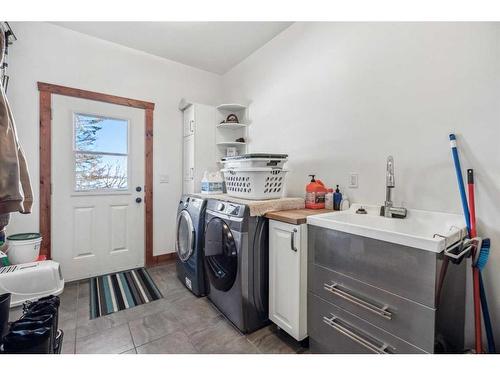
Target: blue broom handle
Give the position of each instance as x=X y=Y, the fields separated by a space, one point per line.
x=461 y=186
x=486 y=317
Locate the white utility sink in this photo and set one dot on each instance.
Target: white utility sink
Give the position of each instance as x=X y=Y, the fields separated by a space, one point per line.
x=417 y=230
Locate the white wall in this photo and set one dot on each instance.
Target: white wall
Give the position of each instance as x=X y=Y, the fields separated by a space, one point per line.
x=340 y=97
x=49 y=53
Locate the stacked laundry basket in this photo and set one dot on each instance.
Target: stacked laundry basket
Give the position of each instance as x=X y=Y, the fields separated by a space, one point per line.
x=255 y=176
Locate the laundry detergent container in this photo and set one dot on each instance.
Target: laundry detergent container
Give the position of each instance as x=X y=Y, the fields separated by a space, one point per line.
x=23 y=247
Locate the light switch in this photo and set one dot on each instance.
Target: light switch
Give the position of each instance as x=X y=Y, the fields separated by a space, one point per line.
x=164 y=179
x=353 y=180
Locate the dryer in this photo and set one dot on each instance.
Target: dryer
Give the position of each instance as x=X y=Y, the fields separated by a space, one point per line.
x=189 y=243
x=236 y=263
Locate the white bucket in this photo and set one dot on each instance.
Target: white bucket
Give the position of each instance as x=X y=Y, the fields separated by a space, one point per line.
x=23 y=247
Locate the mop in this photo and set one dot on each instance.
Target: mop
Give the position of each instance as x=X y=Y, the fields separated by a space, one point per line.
x=475 y=270
x=480 y=263
x=465 y=207
x=480 y=254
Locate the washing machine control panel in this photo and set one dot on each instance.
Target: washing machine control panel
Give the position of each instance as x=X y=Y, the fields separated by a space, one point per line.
x=227 y=208
x=233 y=210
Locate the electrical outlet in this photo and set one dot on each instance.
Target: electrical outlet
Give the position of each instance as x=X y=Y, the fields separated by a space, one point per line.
x=353 y=180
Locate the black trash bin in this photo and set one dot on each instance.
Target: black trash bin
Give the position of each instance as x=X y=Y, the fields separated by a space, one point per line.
x=4 y=314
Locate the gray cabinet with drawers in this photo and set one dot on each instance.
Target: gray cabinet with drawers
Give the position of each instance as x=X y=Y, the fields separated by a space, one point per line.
x=371 y=296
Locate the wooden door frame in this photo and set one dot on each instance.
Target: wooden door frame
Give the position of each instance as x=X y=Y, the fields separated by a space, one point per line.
x=46 y=91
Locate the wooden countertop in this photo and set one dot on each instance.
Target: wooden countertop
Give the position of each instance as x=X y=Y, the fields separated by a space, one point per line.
x=295 y=216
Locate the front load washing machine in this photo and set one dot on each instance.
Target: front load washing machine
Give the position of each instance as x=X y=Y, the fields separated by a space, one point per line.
x=236 y=263
x=189 y=243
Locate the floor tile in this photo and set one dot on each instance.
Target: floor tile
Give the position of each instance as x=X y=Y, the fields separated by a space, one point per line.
x=221 y=338
x=152 y=327
x=178 y=323
x=270 y=340
x=110 y=341
x=69 y=339
x=69 y=297
x=196 y=315
x=131 y=351
x=86 y=327
x=174 y=343
x=83 y=289
x=146 y=309
x=68 y=323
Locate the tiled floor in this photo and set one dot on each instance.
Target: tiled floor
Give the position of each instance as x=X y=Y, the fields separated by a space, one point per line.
x=177 y=323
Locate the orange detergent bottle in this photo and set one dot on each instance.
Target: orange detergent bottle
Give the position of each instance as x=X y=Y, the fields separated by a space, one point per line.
x=315 y=194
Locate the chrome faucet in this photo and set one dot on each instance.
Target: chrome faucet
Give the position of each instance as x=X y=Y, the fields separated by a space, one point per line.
x=388 y=209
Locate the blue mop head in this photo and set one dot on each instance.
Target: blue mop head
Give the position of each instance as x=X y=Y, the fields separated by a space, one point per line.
x=483 y=254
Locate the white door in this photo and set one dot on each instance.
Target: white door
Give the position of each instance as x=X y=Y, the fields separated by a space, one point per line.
x=188 y=164
x=97 y=187
x=287 y=290
x=188 y=121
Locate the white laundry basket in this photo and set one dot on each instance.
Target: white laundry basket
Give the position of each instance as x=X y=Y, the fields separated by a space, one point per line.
x=255 y=183
x=255 y=161
x=23 y=247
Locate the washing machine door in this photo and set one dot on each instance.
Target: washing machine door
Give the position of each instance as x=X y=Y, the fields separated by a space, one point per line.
x=221 y=256
x=185 y=240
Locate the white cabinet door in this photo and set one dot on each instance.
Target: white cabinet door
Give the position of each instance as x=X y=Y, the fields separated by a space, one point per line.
x=189 y=121
x=287 y=272
x=188 y=165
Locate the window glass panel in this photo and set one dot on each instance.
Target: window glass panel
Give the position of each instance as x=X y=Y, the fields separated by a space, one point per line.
x=100 y=134
x=96 y=171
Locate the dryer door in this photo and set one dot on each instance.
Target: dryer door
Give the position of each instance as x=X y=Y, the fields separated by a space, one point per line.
x=185 y=240
x=221 y=255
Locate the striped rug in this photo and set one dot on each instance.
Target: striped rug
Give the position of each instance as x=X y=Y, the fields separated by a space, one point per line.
x=120 y=291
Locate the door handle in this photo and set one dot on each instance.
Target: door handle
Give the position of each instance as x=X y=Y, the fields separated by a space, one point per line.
x=341 y=327
x=138 y=189
x=292 y=240
x=138 y=200
x=382 y=311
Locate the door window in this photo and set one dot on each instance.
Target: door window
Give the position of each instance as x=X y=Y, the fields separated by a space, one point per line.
x=100 y=152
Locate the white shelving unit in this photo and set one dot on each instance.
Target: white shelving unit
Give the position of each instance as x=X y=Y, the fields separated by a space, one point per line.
x=227 y=133
x=231 y=126
x=232 y=107
x=198 y=144
x=231 y=143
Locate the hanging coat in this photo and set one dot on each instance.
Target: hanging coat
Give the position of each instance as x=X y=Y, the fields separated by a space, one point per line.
x=15 y=186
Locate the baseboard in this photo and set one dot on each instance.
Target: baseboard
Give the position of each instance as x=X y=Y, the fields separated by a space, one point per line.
x=164 y=258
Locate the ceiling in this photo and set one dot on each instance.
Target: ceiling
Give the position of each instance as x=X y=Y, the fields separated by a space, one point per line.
x=212 y=46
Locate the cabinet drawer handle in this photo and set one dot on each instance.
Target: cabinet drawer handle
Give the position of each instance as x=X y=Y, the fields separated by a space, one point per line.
x=382 y=311
x=292 y=240
x=334 y=323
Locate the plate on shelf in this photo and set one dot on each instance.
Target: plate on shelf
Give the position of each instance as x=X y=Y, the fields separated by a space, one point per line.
x=231 y=125
x=231 y=143
x=231 y=107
